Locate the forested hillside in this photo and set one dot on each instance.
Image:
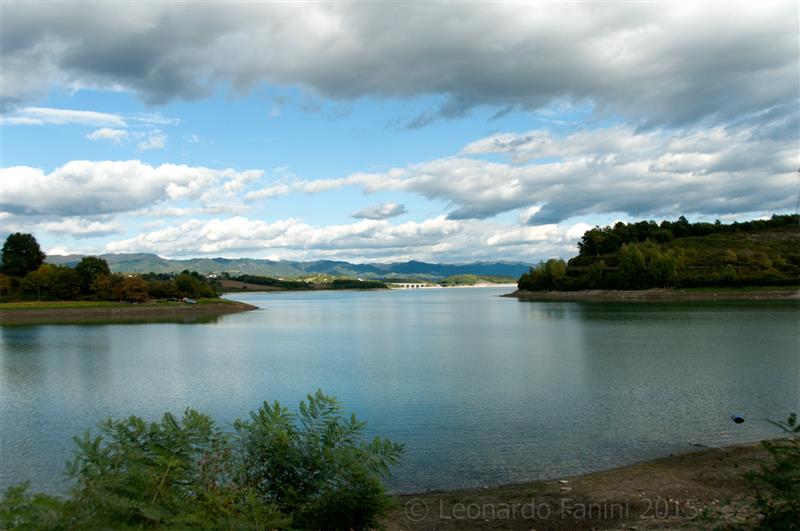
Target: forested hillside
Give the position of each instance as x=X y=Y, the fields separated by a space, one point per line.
x=677 y=254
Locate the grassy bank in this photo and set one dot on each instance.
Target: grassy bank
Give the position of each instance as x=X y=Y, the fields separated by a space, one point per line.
x=697 y=490
x=755 y=293
x=78 y=311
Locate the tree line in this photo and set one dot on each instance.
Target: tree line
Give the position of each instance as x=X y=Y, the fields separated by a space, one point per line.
x=674 y=254
x=25 y=276
x=607 y=240
x=297 y=285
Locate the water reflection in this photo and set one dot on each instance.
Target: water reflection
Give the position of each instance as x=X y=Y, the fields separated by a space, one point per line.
x=481 y=389
x=106 y=320
x=23 y=363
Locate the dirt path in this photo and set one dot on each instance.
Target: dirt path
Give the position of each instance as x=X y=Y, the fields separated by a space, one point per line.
x=697 y=490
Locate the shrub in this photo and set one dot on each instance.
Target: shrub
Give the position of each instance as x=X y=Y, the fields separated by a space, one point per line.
x=306 y=470
x=315 y=466
x=777 y=482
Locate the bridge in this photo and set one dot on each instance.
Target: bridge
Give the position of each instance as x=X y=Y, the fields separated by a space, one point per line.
x=410 y=285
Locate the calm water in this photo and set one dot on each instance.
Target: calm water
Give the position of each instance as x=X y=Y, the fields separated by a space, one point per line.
x=481 y=389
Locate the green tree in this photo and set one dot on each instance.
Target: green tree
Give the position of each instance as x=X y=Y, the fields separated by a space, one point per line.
x=192 y=284
x=6 y=287
x=37 y=283
x=663 y=270
x=103 y=286
x=595 y=275
x=88 y=269
x=134 y=289
x=21 y=255
x=187 y=285
x=66 y=284
x=162 y=289
x=52 y=282
x=631 y=266
x=662 y=236
x=545 y=276
x=554 y=270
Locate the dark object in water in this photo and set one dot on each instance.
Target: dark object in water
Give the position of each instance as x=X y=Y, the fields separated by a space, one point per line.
x=738 y=419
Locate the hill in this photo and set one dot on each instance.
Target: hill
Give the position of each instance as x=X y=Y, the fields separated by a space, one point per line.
x=647 y=255
x=147 y=263
x=472 y=280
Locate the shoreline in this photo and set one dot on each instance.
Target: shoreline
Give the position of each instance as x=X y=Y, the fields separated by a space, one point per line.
x=696 y=489
x=270 y=289
x=661 y=294
x=119 y=312
x=483 y=285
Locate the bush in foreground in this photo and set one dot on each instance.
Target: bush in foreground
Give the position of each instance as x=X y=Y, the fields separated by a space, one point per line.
x=311 y=469
x=777 y=482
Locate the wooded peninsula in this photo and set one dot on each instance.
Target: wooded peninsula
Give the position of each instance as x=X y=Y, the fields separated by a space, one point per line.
x=755 y=256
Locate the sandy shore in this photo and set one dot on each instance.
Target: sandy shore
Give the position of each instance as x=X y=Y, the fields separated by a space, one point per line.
x=731 y=294
x=122 y=312
x=697 y=490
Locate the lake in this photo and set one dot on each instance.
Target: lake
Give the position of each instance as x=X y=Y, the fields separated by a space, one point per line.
x=481 y=389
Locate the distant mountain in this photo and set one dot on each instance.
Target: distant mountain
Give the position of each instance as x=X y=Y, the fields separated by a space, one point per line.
x=146 y=263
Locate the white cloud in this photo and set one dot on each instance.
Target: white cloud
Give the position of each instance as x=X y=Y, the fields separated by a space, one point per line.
x=657 y=64
x=576 y=231
x=46 y=115
x=273 y=190
x=81 y=228
x=81 y=188
x=381 y=211
x=62 y=251
x=155 y=139
x=524 y=235
x=238 y=180
x=154 y=118
x=107 y=133
x=716 y=171
x=242 y=234
x=75 y=227
x=438 y=239
x=161 y=212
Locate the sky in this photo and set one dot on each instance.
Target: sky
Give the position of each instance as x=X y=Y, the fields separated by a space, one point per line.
x=388 y=131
